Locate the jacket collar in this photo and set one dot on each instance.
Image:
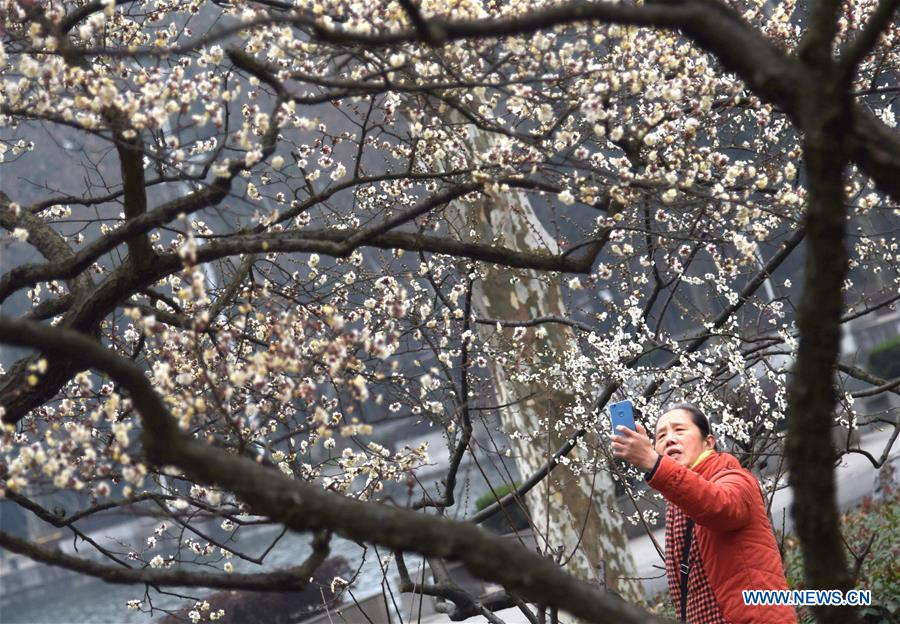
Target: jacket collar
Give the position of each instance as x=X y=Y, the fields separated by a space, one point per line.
x=714 y=462
x=701 y=457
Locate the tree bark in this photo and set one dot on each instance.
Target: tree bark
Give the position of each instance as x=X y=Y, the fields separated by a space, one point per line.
x=812 y=396
x=575 y=513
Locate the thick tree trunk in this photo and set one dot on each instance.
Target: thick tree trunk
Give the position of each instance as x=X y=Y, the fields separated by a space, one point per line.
x=575 y=513
x=812 y=396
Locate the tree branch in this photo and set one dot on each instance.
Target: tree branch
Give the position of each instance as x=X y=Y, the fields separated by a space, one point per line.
x=290 y=579
x=517 y=496
x=304 y=507
x=767 y=70
x=855 y=51
x=42 y=237
x=131 y=164
x=761 y=276
x=332 y=243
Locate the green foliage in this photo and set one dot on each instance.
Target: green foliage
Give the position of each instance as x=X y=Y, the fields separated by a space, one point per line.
x=884 y=359
x=662 y=605
x=499 y=492
x=870 y=533
x=879 y=572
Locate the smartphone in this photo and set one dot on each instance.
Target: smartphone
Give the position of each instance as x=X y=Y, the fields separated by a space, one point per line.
x=622 y=413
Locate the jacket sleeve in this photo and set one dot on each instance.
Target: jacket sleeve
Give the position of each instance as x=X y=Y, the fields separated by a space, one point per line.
x=721 y=505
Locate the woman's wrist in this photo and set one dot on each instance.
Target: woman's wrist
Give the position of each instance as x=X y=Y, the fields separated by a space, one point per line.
x=652 y=462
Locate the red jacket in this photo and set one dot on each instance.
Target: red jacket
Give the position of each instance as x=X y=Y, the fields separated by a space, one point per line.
x=733 y=533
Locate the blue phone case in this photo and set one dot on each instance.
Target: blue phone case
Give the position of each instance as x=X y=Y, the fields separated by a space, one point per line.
x=622 y=413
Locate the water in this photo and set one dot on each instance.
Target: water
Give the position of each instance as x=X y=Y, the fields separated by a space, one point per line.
x=75 y=599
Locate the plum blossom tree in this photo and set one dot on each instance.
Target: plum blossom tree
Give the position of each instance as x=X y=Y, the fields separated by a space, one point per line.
x=268 y=230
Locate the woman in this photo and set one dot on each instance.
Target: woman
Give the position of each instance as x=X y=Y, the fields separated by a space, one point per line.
x=719 y=541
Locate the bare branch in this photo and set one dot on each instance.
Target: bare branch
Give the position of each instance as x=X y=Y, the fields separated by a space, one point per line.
x=517 y=496
x=885 y=454
x=290 y=579
x=303 y=507
x=864 y=375
x=889 y=385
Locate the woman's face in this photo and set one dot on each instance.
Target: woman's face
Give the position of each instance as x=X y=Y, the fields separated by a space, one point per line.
x=678 y=437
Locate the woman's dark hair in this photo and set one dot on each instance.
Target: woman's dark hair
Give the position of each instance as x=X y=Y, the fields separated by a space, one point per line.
x=697 y=416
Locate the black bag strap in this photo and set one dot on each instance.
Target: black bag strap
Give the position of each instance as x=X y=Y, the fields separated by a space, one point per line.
x=685 y=567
